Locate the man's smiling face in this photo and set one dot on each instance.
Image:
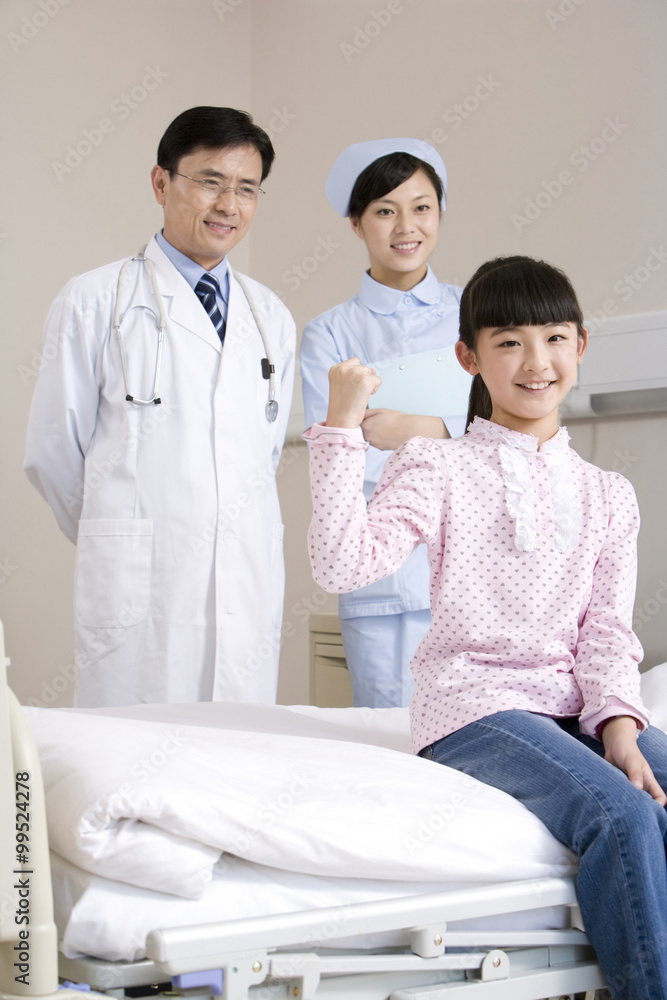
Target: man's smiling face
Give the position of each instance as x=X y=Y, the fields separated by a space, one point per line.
x=205 y=226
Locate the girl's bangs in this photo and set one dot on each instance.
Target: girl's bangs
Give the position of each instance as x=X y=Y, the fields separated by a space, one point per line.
x=522 y=293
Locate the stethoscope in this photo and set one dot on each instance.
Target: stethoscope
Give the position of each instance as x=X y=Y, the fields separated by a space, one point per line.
x=268 y=368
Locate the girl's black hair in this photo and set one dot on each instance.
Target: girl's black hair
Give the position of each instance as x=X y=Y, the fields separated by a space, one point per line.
x=512 y=291
x=212 y=128
x=385 y=174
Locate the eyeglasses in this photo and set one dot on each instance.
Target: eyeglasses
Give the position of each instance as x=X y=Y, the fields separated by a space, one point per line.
x=213 y=188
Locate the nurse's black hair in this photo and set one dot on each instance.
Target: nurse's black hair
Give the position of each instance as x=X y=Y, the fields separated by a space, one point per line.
x=385 y=174
x=212 y=128
x=512 y=291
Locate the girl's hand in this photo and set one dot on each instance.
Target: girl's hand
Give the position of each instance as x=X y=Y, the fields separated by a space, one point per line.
x=351 y=385
x=387 y=429
x=619 y=737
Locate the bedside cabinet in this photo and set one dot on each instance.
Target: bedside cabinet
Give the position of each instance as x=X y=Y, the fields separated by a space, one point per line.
x=330 y=685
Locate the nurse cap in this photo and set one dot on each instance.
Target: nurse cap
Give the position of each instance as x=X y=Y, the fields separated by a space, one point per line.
x=353 y=160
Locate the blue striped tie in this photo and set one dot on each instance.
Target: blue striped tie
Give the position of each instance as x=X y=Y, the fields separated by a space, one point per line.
x=206 y=290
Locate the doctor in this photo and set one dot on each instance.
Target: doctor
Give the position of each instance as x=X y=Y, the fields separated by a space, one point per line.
x=160 y=462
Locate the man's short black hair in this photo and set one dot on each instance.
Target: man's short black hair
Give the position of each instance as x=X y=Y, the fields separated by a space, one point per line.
x=212 y=128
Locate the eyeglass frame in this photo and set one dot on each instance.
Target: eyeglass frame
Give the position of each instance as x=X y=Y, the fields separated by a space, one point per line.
x=203 y=181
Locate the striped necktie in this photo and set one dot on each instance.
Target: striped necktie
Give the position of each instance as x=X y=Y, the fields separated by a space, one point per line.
x=206 y=290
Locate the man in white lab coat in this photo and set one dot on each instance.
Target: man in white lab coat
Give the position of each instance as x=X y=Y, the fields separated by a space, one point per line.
x=172 y=503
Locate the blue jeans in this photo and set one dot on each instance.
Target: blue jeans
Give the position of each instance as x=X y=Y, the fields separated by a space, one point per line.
x=617 y=831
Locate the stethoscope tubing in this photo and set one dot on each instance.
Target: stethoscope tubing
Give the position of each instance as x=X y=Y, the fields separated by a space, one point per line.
x=268 y=370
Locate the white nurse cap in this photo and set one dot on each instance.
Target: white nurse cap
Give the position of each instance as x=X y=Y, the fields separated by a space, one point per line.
x=353 y=160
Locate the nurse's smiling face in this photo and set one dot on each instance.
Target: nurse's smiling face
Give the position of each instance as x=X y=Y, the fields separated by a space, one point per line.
x=206 y=225
x=400 y=231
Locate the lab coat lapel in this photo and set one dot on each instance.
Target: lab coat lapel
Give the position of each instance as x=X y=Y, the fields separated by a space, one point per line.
x=182 y=305
x=240 y=322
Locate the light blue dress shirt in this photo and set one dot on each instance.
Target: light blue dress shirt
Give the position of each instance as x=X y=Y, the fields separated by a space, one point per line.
x=192 y=272
x=377 y=324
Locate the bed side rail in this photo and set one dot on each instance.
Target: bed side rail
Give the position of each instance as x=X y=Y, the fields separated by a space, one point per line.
x=184 y=949
x=28 y=937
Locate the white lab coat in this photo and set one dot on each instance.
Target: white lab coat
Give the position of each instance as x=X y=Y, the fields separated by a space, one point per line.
x=179 y=577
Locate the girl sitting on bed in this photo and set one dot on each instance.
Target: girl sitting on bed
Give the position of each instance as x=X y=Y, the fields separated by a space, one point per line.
x=528 y=677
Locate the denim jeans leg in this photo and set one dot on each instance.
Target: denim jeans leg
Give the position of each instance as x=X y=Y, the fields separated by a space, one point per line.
x=617 y=831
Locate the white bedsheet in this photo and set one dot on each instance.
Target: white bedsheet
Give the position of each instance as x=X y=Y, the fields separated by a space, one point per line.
x=154 y=804
x=111 y=920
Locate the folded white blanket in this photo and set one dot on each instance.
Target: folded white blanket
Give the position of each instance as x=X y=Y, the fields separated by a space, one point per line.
x=154 y=805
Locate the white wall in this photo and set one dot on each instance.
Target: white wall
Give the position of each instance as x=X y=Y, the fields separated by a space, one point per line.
x=512 y=93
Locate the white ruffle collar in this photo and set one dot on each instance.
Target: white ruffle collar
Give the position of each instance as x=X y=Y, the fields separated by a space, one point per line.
x=513 y=451
x=516 y=439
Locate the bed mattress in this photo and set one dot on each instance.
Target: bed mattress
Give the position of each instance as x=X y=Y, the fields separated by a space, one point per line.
x=367 y=810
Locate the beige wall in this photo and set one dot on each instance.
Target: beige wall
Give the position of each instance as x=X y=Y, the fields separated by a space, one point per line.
x=512 y=92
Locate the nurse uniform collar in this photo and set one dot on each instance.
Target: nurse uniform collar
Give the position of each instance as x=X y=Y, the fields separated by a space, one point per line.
x=267 y=366
x=354 y=160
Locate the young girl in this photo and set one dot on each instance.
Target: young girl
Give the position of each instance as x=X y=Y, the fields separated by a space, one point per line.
x=528 y=676
x=393 y=191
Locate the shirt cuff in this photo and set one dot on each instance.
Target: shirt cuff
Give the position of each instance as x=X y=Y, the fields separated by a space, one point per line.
x=350 y=437
x=614 y=707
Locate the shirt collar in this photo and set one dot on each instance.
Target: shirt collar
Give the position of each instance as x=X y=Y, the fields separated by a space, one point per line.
x=383 y=299
x=192 y=271
x=481 y=428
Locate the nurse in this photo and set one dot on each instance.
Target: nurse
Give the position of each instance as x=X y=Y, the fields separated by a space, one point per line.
x=393 y=191
x=173 y=505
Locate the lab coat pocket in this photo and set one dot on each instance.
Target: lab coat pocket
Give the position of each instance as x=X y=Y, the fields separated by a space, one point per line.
x=113 y=572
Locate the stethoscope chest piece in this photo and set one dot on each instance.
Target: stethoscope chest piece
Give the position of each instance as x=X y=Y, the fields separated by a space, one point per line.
x=271 y=411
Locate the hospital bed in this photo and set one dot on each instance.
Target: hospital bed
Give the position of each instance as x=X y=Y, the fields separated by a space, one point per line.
x=459 y=893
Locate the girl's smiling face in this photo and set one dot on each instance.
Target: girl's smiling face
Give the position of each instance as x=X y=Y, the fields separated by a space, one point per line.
x=528 y=371
x=400 y=231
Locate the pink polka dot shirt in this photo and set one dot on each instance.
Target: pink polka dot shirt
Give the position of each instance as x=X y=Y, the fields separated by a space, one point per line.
x=532 y=555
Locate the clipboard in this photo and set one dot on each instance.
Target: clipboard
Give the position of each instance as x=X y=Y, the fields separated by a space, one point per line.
x=432 y=383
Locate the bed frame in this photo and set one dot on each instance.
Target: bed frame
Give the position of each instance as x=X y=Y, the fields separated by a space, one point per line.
x=286 y=956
